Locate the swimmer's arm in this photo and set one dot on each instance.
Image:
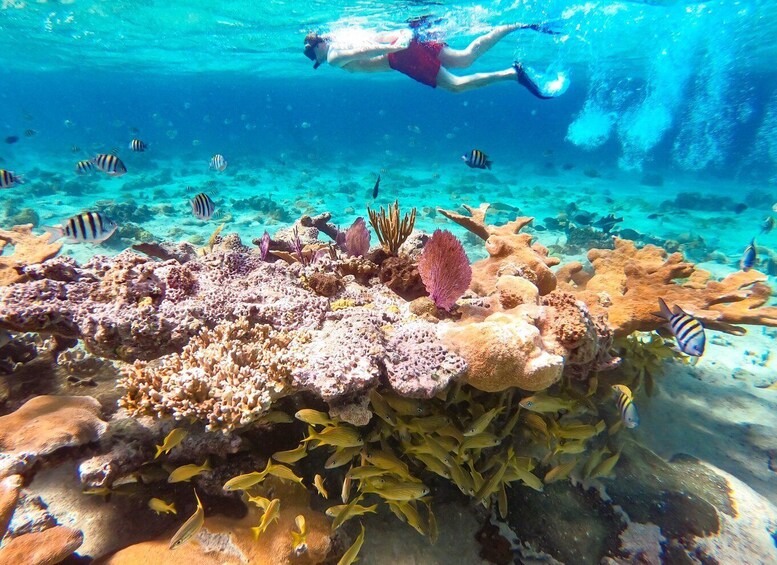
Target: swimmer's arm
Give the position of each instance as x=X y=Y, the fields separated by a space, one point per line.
x=342 y=57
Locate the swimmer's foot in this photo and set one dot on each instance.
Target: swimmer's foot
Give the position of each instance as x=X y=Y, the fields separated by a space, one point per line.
x=549 y=90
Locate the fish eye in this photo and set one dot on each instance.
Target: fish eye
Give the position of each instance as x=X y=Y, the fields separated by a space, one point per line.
x=529 y=404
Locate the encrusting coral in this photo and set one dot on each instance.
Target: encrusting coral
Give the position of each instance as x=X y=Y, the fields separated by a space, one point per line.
x=28 y=249
x=627 y=282
x=45 y=424
x=45 y=547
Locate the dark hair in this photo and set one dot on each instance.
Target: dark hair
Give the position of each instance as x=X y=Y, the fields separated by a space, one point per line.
x=311 y=41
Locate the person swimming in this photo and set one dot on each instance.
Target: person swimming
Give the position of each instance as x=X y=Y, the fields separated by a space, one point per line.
x=424 y=58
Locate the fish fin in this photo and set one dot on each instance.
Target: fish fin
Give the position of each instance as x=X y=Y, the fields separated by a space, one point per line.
x=55 y=233
x=160 y=449
x=19 y=179
x=677 y=310
x=489 y=162
x=199 y=503
x=114 y=152
x=665 y=311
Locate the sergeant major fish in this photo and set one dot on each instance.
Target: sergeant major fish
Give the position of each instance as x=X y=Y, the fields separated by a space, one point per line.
x=84 y=167
x=476 y=159
x=8 y=179
x=89 y=227
x=218 y=162
x=625 y=403
x=202 y=206
x=109 y=164
x=138 y=145
x=687 y=330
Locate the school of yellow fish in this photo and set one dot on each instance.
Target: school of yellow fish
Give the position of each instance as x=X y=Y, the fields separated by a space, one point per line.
x=483 y=443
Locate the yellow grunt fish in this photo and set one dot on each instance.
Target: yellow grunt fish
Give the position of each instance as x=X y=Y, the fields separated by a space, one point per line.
x=341 y=456
x=188 y=472
x=382 y=408
x=578 y=431
x=300 y=536
x=349 y=557
x=479 y=426
x=318 y=482
x=406 y=406
x=510 y=425
x=345 y=492
x=531 y=480
x=491 y=485
x=560 y=472
x=344 y=512
x=429 y=424
x=314 y=417
x=260 y=502
x=275 y=417
x=282 y=472
x=243 y=482
x=161 y=507
x=400 y=491
x=270 y=515
x=366 y=472
x=386 y=460
x=604 y=469
x=172 y=439
x=434 y=465
x=292 y=455
x=190 y=527
x=337 y=436
x=409 y=514
x=544 y=403
x=480 y=441
x=434 y=532
x=502 y=501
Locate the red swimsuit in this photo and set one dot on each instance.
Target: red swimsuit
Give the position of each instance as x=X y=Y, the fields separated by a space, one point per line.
x=420 y=61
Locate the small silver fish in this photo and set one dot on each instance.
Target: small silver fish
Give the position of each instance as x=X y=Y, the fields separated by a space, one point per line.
x=218 y=162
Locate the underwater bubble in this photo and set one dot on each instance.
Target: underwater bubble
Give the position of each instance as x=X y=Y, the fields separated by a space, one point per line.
x=172 y=133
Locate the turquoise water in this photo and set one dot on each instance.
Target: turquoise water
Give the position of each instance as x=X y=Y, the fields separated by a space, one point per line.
x=670 y=123
x=678 y=90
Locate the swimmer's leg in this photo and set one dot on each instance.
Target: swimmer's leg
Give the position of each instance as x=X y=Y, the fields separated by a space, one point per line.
x=462 y=58
x=453 y=83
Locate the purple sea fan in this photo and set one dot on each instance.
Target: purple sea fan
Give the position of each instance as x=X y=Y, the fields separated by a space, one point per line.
x=264 y=246
x=444 y=269
x=357 y=238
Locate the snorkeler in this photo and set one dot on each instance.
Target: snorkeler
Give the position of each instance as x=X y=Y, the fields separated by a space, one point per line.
x=425 y=59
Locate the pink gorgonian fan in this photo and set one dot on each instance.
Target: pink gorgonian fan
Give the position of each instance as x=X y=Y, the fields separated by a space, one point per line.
x=357 y=238
x=444 y=269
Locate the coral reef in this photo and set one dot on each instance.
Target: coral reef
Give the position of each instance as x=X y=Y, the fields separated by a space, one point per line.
x=510 y=252
x=627 y=282
x=45 y=424
x=444 y=269
x=44 y=547
x=28 y=249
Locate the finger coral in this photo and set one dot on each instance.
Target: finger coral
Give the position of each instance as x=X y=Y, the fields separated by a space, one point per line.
x=226 y=377
x=444 y=269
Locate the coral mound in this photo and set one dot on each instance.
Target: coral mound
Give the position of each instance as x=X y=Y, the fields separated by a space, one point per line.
x=505 y=350
x=627 y=282
x=36 y=548
x=28 y=249
x=511 y=252
x=47 y=423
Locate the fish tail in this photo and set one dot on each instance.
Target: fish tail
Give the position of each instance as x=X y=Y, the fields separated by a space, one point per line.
x=160 y=449
x=19 y=179
x=665 y=311
x=54 y=232
x=488 y=164
x=206 y=466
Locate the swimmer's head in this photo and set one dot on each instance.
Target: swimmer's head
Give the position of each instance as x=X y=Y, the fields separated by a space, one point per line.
x=312 y=41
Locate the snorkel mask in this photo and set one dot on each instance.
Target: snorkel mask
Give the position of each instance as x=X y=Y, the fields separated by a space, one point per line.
x=311 y=41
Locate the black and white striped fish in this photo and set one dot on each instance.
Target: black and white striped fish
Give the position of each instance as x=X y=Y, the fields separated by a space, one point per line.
x=84 y=167
x=625 y=403
x=476 y=159
x=89 y=227
x=202 y=206
x=138 y=145
x=218 y=162
x=109 y=164
x=686 y=329
x=8 y=179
